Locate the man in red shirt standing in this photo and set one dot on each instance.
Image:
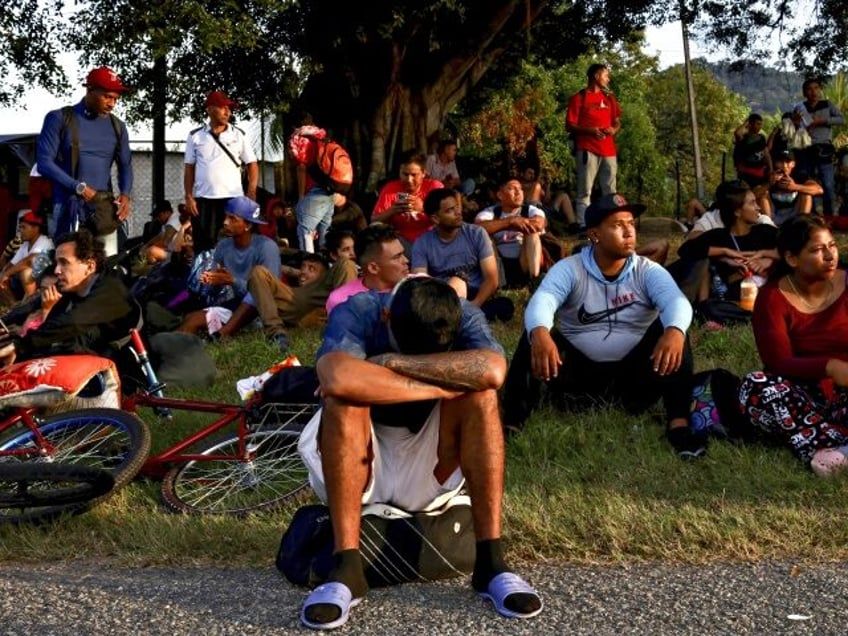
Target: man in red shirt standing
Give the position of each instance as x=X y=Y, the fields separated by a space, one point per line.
x=594 y=118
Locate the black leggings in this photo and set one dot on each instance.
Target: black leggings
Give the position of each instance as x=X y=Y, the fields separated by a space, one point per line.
x=630 y=382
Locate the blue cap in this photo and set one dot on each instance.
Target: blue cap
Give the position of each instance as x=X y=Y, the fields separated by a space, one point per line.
x=248 y=209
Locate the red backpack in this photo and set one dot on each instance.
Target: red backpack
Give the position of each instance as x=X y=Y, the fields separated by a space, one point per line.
x=332 y=169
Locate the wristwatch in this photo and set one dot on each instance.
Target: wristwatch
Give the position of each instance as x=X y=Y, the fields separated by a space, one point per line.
x=81 y=186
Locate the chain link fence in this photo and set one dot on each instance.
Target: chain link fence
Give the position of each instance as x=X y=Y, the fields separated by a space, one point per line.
x=142 y=161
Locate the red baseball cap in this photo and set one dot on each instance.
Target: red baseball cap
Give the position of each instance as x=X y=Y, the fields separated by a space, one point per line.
x=220 y=99
x=32 y=218
x=105 y=78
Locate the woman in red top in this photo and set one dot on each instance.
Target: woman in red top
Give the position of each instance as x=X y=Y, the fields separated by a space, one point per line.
x=401 y=202
x=801 y=328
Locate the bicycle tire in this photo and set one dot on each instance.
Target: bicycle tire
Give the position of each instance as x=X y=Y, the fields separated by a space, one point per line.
x=264 y=483
x=115 y=441
x=48 y=484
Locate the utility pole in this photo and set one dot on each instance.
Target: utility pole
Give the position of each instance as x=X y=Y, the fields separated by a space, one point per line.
x=690 y=89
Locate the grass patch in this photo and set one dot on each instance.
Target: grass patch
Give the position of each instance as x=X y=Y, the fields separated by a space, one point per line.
x=591 y=487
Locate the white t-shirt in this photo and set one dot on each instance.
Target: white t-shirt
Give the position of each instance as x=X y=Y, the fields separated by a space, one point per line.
x=173 y=222
x=216 y=176
x=508 y=241
x=711 y=219
x=441 y=171
x=42 y=244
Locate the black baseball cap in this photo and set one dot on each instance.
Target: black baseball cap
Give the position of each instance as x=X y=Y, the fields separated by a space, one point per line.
x=609 y=204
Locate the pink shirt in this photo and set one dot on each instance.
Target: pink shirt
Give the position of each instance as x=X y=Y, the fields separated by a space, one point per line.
x=341 y=294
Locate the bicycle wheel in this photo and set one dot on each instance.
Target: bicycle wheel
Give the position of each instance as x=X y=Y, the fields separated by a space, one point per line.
x=36 y=492
x=112 y=440
x=273 y=474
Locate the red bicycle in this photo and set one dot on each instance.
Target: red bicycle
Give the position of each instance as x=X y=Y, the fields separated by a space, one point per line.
x=244 y=461
x=99 y=439
x=253 y=465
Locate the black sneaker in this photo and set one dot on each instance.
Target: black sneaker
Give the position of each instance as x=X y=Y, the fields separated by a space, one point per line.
x=687 y=444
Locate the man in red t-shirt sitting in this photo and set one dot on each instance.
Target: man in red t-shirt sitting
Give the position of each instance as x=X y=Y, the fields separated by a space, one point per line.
x=594 y=118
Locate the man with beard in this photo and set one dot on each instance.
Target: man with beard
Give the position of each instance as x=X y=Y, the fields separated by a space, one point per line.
x=76 y=149
x=454 y=251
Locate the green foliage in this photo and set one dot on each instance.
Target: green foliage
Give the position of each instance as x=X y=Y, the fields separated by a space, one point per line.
x=206 y=45
x=719 y=113
x=508 y=116
x=30 y=42
x=811 y=34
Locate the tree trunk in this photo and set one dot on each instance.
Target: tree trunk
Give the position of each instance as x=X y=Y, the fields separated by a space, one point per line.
x=160 y=104
x=406 y=116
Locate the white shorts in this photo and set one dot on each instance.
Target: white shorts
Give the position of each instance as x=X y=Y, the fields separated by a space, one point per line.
x=402 y=468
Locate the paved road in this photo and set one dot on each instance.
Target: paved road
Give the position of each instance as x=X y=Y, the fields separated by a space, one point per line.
x=77 y=598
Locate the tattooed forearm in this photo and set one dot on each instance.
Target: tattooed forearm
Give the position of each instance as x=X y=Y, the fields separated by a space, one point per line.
x=455 y=371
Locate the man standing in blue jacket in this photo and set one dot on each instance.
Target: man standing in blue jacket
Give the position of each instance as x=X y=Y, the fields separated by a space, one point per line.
x=76 y=149
x=607 y=324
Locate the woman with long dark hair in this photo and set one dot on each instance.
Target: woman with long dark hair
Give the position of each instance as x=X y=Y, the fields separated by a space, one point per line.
x=801 y=328
x=742 y=245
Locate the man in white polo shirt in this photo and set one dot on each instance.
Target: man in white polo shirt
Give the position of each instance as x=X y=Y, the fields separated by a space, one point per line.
x=215 y=155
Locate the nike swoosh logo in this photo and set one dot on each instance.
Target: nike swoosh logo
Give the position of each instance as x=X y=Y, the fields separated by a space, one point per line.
x=588 y=317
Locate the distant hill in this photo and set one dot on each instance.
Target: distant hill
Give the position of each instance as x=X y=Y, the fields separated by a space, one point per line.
x=767 y=90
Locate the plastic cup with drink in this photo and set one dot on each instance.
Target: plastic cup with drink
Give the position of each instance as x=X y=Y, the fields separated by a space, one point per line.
x=748 y=291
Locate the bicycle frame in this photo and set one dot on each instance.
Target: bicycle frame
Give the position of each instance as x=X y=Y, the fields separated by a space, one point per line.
x=27 y=417
x=157 y=465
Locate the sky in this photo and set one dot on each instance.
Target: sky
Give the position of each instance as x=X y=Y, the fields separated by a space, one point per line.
x=665 y=42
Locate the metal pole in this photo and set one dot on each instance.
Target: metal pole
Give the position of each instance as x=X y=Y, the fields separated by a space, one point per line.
x=690 y=89
x=262 y=150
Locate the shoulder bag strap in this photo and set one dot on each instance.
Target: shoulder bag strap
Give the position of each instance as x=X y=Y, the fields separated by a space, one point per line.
x=216 y=136
x=71 y=126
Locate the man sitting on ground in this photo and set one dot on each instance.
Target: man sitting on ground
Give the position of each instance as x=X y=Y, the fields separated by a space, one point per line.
x=382 y=261
x=409 y=382
x=280 y=305
x=454 y=251
x=442 y=167
x=160 y=247
x=235 y=256
x=607 y=323
x=16 y=277
x=94 y=312
x=791 y=190
x=516 y=229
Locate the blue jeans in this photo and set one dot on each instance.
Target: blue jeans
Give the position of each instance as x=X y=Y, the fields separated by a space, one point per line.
x=809 y=162
x=829 y=187
x=314 y=211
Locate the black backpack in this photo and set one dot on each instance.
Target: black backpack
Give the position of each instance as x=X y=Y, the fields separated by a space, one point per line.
x=396 y=546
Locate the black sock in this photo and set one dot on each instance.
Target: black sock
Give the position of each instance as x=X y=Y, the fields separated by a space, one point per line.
x=490 y=563
x=348 y=570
